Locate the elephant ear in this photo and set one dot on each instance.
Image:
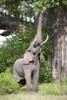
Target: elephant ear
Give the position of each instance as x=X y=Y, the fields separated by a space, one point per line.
x=27 y=58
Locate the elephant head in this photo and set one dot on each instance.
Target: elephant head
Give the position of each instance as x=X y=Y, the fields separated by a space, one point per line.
x=31 y=54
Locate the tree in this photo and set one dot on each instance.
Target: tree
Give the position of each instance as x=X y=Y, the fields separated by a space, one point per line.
x=58 y=60
x=55 y=16
x=13 y=12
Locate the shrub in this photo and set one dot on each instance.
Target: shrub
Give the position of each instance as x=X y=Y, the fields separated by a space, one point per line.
x=7 y=83
x=63 y=80
x=45 y=72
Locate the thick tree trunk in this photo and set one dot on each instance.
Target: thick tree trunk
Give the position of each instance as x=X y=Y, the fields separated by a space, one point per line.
x=58 y=60
x=59 y=57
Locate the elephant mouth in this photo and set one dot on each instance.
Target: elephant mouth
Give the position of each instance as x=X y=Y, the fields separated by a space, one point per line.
x=31 y=61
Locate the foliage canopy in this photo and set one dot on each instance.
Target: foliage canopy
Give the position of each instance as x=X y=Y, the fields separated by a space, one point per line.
x=22 y=8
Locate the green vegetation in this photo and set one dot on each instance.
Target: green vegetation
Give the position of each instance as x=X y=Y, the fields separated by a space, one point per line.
x=43 y=5
x=52 y=88
x=45 y=72
x=29 y=8
x=8 y=86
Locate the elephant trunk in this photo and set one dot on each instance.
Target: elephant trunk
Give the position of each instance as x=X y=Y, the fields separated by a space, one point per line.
x=38 y=38
x=38 y=35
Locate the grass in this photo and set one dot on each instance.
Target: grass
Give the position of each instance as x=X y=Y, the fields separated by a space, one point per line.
x=52 y=89
x=32 y=97
x=46 y=91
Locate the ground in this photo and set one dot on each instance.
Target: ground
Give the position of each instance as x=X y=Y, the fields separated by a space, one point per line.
x=31 y=97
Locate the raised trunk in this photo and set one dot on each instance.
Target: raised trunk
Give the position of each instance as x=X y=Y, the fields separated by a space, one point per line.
x=38 y=35
x=58 y=60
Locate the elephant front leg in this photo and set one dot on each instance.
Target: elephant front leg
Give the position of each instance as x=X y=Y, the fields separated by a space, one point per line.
x=28 y=80
x=35 y=81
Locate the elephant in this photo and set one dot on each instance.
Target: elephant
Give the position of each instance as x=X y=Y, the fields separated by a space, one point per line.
x=25 y=67
x=29 y=65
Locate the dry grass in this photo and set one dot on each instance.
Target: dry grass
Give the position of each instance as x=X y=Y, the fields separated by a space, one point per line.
x=31 y=97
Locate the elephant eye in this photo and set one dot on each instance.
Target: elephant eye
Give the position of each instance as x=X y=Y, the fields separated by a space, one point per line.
x=29 y=50
x=34 y=46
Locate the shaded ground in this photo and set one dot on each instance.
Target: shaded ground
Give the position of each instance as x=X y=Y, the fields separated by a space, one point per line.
x=31 y=97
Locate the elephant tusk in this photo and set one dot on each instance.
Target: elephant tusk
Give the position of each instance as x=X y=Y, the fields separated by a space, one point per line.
x=45 y=40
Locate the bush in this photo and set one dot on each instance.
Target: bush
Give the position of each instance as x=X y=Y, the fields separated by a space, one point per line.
x=7 y=83
x=63 y=80
x=45 y=72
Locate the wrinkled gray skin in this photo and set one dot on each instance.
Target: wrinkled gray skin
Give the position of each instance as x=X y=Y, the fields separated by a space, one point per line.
x=25 y=67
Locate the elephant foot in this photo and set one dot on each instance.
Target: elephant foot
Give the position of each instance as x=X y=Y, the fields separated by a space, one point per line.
x=28 y=90
x=34 y=90
x=31 y=92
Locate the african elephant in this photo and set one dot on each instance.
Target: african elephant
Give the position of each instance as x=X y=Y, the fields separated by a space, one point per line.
x=25 y=67
x=29 y=65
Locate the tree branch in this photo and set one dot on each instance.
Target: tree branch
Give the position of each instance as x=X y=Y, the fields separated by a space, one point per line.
x=10 y=24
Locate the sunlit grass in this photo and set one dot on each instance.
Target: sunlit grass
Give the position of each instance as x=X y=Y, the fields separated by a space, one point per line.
x=52 y=88
x=48 y=89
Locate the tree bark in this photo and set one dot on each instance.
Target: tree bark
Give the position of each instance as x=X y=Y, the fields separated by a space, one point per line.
x=58 y=59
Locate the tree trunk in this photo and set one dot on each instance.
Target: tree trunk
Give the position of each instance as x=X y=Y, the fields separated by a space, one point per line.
x=58 y=60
